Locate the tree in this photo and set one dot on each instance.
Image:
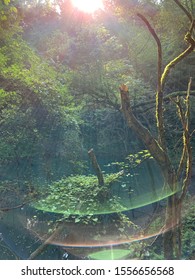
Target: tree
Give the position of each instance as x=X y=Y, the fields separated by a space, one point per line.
x=158 y=146
x=37 y=122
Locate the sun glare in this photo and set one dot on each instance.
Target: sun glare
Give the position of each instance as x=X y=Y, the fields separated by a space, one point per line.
x=88 y=6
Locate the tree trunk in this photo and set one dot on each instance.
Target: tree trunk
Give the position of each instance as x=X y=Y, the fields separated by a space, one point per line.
x=158 y=147
x=96 y=167
x=168 y=240
x=172 y=220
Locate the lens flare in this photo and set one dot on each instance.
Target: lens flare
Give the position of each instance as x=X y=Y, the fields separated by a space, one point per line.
x=106 y=236
x=121 y=203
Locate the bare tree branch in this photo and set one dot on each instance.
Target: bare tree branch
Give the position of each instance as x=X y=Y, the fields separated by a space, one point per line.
x=14 y=207
x=48 y=241
x=144 y=134
x=168 y=97
x=159 y=93
x=175 y=61
x=184 y=9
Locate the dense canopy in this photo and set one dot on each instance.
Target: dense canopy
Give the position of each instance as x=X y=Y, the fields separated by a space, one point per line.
x=116 y=78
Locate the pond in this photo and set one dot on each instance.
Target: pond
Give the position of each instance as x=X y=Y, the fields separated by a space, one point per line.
x=74 y=219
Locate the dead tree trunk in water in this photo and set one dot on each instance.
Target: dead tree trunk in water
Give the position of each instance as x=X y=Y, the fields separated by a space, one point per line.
x=158 y=146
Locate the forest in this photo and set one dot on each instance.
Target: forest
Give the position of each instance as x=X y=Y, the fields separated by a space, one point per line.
x=97 y=124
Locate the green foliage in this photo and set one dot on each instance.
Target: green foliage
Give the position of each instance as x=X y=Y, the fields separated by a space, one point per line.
x=132 y=161
x=37 y=113
x=89 y=219
x=8 y=15
x=17 y=142
x=59 y=97
x=156 y=225
x=55 y=47
x=188 y=230
x=81 y=195
x=13 y=194
x=136 y=159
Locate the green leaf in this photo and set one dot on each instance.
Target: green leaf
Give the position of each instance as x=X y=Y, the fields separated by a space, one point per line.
x=6 y=2
x=3 y=18
x=77 y=220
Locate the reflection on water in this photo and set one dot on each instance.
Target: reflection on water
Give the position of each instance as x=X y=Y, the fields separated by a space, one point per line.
x=29 y=232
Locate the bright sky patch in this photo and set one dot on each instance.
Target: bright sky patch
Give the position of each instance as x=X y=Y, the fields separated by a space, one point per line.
x=88 y=6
